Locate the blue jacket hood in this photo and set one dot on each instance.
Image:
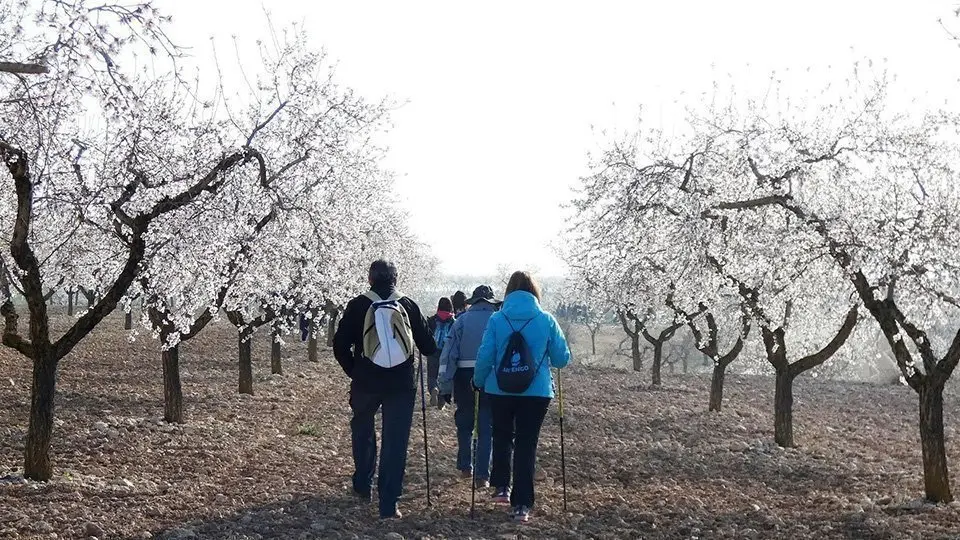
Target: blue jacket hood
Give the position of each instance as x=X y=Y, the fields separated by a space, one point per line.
x=520 y=305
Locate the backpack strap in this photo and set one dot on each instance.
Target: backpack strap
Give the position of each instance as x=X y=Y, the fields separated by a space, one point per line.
x=375 y=298
x=528 y=321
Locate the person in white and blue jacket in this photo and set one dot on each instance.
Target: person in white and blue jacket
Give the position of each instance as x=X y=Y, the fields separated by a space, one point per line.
x=517 y=418
x=455 y=380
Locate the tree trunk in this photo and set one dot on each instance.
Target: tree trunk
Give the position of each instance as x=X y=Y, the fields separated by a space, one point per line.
x=783 y=409
x=70 y=295
x=716 y=386
x=332 y=319
x=657 y=362
x=593 y=342
x=936 y=480
x=276 y=366
x=635 y=352
x=246 y=364
x=686 y=366
x=172 y=391
x=128 y=320
x=312 y=348
x=37 y=465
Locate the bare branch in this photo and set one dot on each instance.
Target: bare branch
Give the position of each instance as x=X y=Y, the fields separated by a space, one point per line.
x=821 y=356
x=23 y=68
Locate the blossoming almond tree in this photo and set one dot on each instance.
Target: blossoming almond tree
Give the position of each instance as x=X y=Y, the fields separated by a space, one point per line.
x=833 y=188
x=648 y=206
x=315 y=137
x=609 y=266
x=626 y=250
x=72 y=178
x=877 y=191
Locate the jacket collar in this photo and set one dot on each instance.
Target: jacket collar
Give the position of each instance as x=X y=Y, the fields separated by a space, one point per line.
x=383 y=291
x=481 y=306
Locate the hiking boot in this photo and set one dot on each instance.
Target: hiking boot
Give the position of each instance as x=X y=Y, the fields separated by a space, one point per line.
x=481 y=483
x=501 y=495
x=521 y=514
x=365 y=497
x=433 y=397
x=395 y=515
x=466 y=474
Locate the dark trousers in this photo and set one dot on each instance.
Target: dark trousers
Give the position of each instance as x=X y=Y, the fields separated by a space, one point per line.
x=397 y=418
x=516 y=427
x=463 y=396
x=304 y=328
x=433 y=370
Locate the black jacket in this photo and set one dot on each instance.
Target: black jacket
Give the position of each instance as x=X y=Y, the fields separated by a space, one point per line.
x=364 y=374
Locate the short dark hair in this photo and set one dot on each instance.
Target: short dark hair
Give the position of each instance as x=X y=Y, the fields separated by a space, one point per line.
x=444 y=304
x=459 y=301
x=383 y=272
x=523 y=281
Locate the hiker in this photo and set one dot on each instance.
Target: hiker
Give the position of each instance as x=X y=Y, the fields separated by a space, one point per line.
x=455 y=378
x=439 y=325
x=519 y=384
x=459 y=300
x=374 y=346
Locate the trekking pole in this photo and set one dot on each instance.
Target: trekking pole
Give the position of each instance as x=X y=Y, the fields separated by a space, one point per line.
x=426 y=447
x=563 y=460
x=476 y=439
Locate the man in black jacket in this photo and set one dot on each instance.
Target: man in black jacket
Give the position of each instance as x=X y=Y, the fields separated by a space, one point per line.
x=373 y=387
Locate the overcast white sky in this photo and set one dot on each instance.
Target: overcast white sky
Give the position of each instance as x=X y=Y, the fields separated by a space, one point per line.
x=505 y=98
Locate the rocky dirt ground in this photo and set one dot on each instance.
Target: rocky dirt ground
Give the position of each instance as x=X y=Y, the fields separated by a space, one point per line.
x=641 y=463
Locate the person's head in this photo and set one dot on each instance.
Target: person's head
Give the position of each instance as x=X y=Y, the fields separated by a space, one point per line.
x=383 y=273
x=445 y=305
x=483 y=293
x=523 y=281
x=459 y=301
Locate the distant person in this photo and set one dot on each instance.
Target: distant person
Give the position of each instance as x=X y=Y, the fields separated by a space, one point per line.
x=518 y=415
x=457 y=363
x=304 y=327
x=374 y=345
x=440 y=326
x=459 y=300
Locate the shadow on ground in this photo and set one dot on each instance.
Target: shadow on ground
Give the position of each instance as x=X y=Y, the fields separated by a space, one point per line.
x=348 y=518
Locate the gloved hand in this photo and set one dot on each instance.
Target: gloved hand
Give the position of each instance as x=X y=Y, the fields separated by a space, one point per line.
x=443 y=400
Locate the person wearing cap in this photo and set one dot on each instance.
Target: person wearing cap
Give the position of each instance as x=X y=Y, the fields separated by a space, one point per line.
x=455 y=379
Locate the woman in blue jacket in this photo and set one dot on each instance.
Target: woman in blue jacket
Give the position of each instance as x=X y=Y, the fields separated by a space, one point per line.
x=518 y=417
